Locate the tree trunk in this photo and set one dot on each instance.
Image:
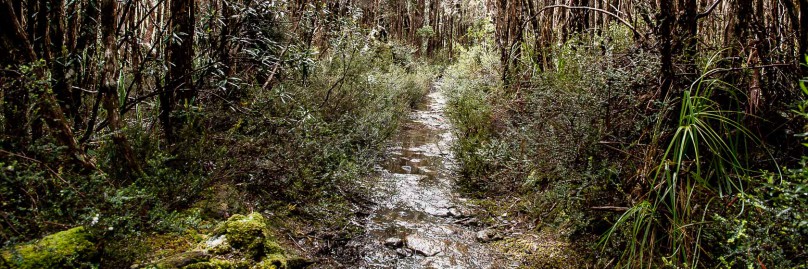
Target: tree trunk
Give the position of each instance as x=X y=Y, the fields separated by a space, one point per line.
x=665 y=21
x=61 y=82
x=109 y=87
x=688 y=39
x=180 y=53
x=41 y=39
x=12 y=39
x=803 y=35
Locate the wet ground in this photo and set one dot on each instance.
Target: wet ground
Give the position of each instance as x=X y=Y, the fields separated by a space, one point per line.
x=419 y=220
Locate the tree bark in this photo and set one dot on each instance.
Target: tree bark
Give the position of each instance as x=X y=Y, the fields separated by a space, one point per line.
x=61 y=82
x=803 y=35
x=664 y=35
x=109 y=87
x=179 y=87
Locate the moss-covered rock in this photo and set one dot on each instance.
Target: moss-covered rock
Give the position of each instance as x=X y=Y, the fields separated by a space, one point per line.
x=219 y=264
x=249 y=235
x=241 y=242
x=274 y=261
x=181 y=260
x=66 y=249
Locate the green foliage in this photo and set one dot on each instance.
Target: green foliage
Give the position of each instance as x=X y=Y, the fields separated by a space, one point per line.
x=327 y=126
x=547 y=130
x=764 y=226
x=425 y=31
x=701 y=162
x=468 y=85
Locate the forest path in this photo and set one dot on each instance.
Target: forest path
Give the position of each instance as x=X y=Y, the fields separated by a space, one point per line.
x=419 y=220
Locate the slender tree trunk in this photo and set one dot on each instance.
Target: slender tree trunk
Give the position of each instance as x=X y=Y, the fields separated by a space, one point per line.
x=86 y=42
x=803 y=35
x=61 y=82
x=664 y=35
x=688 y=39
x=109 y=86
x=180 y=52
x=41 y=38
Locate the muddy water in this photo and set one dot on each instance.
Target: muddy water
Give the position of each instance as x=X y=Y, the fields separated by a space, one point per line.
x=419 y=220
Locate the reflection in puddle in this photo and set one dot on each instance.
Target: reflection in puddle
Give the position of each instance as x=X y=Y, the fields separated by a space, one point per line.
x=416 y=201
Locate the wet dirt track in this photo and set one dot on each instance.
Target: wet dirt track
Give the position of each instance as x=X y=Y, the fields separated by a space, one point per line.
x=419 y=220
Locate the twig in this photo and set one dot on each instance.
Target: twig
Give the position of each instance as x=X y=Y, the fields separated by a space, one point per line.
x=280 y=57
x=708 y=11
x=610 y=208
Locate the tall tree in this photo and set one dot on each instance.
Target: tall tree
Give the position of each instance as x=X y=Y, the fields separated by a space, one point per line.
x=109 y=86
x=179 y=85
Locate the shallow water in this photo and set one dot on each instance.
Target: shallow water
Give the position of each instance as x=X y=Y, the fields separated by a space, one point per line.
x=417 y=204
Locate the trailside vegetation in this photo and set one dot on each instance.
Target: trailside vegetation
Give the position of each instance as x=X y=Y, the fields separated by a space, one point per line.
x=646 y=134
x=612 y=133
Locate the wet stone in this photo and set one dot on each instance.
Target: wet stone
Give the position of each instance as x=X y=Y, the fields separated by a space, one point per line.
x=404 y=252
x=438 y=212
x=486 y=235
x=468 y=221
x=459 y=212
x=394 y=242
x=424 y=246
x=424 y=170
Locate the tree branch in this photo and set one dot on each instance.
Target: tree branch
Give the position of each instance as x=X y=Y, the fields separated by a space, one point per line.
x=709 y=10
x=636 y=33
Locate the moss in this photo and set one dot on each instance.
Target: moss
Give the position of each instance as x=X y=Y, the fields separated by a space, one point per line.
x=164 y=245
x=274 y=261
x=219 y=264
x=67 y=249
x=248 y=234
x=181 y=260
x=272 y=247
x=542 y=250
x=218 y=201
x=239 y=242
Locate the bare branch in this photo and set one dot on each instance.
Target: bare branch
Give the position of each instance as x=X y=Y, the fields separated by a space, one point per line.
x=623 y=21
x=710 y=10
x=610 y=208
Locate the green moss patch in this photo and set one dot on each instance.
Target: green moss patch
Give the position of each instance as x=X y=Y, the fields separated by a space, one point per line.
x=249 y=235
x=67 y=249
x=241 y=242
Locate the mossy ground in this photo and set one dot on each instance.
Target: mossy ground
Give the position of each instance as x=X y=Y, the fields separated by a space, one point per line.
x=242 y=241
x=526 y=241
x=67 y=249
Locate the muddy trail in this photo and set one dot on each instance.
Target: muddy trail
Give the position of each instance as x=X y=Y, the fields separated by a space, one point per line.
x=419 y=220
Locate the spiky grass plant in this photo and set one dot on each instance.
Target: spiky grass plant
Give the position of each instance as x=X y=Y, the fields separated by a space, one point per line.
x=702 y=161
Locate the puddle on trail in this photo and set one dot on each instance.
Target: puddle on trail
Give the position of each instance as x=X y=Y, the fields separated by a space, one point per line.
x=418 y=220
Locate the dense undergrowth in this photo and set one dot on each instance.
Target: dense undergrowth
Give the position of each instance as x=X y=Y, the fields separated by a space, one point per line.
x=632 y=143
x=294 y=150
x=587 y=149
